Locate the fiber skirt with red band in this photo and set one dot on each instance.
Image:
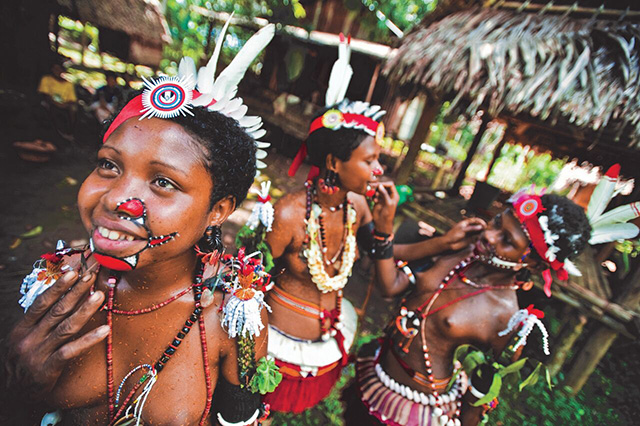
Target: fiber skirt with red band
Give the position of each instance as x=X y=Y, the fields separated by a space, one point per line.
x=309 y=369
x=296 y=393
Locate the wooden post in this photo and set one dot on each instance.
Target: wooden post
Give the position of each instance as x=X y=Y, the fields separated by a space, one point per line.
x=472 y=151
x=83 y=42
x=405 y=168
x=372 y=84
x=496 y=155
x=566 y=340
x=600 y=341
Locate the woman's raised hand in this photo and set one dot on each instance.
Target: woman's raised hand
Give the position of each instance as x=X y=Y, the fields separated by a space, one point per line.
x=49 y=334
x=464 y=233
x=384 y=209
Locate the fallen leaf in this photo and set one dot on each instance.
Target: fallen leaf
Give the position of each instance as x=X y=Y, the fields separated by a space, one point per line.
x=34 y=232
x=15 y=243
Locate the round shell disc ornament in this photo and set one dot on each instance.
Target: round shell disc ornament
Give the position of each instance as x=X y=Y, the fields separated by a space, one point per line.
x=167 y=97
x=332 y=119
x=529 y=207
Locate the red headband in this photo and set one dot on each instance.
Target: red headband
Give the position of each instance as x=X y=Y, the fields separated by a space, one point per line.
x=527 y=208
x=164 y=98
x=335 y=119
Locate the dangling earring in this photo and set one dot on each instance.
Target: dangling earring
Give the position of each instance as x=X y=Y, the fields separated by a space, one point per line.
x=328 y=185
x=523 y=279
x=213 y=236
x=210 y=246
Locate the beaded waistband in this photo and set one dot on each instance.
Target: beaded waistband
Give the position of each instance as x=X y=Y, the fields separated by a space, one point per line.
x=399 y=405
x=295 y=304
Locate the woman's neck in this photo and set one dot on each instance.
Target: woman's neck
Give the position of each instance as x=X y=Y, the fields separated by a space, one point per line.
x=330 y=200
x=479 y=271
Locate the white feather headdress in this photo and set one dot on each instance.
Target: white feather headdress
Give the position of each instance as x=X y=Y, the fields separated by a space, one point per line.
x=218 y=94
x=612 y=225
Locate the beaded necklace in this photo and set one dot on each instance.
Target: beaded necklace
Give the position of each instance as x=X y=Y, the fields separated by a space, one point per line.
x=152 y=372
x=315 y=245
x=424 y=311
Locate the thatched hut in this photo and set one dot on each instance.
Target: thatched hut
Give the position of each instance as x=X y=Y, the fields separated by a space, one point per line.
x=575 y=73
x=571 y=74
x=133 y=30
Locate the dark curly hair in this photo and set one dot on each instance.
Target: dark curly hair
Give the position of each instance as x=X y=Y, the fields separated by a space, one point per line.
x=569 y=221
x=230 y=152
x=341 y=143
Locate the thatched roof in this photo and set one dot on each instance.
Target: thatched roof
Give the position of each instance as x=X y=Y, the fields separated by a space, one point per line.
x=578 y=72
x=141 y=19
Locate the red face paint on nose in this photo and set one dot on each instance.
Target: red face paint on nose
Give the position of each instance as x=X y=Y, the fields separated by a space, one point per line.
x=133 y=207
x=377 y=172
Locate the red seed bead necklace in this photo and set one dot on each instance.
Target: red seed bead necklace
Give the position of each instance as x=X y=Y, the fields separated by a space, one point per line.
x=196 y=316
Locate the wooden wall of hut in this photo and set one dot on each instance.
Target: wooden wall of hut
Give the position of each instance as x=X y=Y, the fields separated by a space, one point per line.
x=310 y=84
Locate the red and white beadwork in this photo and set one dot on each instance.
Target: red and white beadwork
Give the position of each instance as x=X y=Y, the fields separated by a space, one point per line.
x=167 y=97
x=527 y=319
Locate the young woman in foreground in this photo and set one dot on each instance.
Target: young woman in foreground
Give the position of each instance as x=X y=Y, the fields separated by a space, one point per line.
x=128 y=330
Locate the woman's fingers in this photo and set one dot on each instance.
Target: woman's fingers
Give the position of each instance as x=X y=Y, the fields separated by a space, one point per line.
x=382 y=189
x=77 y=347
x=65 y=305
x=72 y=325
x=43 y=302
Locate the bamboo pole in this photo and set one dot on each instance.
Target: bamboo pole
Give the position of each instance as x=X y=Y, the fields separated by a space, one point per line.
x=612 y=13
x=600 y=341
x=372 y=84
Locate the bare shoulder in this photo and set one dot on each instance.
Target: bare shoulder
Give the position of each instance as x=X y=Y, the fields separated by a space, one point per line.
x=360 y=204
x=288 y=207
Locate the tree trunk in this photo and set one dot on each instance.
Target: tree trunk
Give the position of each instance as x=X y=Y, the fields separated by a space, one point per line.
x=566 y=341
x=422 y=131
x=589 y=357
x=472 y=151
x=600 y=342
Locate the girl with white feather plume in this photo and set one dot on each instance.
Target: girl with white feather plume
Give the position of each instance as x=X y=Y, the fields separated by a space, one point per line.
x=184 y=324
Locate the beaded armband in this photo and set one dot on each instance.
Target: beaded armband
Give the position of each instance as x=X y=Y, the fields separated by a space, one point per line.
x=46 y=272
x=382 y=246
x=244 y=278
x=526 y=320
x=403 y=266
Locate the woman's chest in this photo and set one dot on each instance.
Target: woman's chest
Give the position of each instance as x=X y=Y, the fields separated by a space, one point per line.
x=178 y=391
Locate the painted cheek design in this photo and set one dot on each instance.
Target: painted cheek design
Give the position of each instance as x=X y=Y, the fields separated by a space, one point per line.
x=134 y=210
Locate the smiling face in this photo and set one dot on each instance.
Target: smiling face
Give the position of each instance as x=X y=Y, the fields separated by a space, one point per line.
x=503 y=238
x=362 y=169
x=157 y=162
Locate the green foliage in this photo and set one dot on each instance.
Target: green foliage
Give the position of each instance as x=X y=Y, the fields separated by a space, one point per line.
x=403 y=13
x=253 y=240
x=627 y=249
x=472 y=358
x=191 y=31
x=266 y=378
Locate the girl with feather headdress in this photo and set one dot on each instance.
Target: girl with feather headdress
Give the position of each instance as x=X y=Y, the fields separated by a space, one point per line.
x=466 y=299
x=153 y=323
x=316 y=235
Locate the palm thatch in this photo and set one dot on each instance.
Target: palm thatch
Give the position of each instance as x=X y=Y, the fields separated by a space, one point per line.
x=583 y=73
